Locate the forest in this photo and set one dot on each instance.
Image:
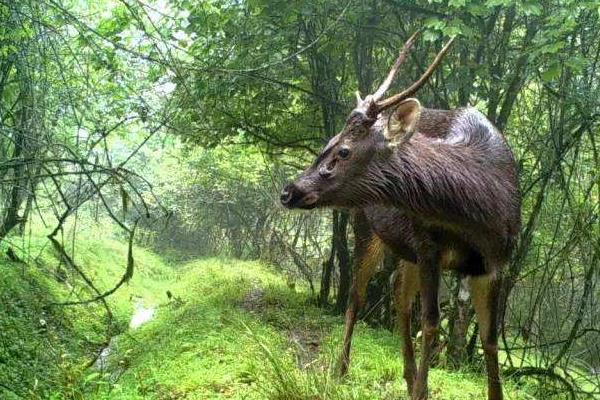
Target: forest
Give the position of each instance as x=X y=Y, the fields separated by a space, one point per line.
x=144 y=249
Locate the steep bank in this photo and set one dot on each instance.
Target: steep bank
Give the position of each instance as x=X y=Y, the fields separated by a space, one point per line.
x=46 y=348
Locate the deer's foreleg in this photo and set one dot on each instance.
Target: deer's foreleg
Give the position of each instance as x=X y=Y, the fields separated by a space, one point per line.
x=484 y=292
x=429 y=276
x=368 y=255
x=404 y=293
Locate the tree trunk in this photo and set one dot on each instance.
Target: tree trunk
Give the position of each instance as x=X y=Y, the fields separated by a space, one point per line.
x=323 y=77
x=328 y=267
x=10 y=219
x=458 y=323
x=343 y=256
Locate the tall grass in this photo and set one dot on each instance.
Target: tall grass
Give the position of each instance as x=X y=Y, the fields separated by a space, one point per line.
x=283 y=380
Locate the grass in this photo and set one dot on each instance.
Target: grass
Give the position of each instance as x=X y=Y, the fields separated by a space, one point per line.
x=239 y=332
x=232 y=329
x=45 y=349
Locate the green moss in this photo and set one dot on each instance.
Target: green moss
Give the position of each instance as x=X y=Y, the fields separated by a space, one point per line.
x=46 y=348
x=239 y=332
x=231 y=329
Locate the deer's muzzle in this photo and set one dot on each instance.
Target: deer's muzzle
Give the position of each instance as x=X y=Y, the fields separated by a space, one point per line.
x=293 y=196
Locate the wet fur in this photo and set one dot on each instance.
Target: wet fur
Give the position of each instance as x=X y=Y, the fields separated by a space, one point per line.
x=444 y=198
x=394 y=228
x=461 y=183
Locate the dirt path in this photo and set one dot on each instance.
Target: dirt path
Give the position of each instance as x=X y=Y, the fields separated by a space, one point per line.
x=305 y=341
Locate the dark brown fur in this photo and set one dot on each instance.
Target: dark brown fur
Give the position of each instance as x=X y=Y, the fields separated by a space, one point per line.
x=455 y=175
x=394 y=228
x=464 y=181
x=452 y=185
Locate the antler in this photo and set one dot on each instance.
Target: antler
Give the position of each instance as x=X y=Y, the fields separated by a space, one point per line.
x=396 y=67
x=395 y=99
x=379 y=105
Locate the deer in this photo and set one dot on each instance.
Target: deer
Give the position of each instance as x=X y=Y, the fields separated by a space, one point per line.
x=440 y=188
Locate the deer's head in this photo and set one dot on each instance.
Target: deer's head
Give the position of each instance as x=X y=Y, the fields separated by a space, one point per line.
x=339 y=176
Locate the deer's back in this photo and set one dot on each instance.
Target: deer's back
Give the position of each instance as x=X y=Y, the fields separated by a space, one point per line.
x=464 y=180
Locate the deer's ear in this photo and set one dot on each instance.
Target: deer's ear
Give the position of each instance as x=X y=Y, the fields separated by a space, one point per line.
x=402 y=122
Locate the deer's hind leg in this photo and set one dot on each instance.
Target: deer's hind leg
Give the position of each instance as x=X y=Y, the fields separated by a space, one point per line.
x=405 y=290
x=368 y=255
x=484 y=292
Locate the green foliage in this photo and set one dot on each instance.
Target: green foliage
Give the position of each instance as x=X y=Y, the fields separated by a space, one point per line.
x=218 y=199
x=116 y=23
x=195 y=113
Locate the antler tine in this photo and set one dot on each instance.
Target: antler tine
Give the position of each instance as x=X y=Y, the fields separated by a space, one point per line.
x=390 y=101
x=394 y=71
x=358 y=98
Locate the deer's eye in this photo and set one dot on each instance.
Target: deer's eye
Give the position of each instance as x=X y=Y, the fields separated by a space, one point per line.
x=343 y=153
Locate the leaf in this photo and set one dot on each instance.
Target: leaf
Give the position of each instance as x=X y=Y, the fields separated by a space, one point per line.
x=454 y=28
x=435 y=23
x=495 y=3
x=91 y=377
x=452 y=31
x=430 y=36
x=551 y=73
x=457 y=3
x=116 y=24
x=532 y=9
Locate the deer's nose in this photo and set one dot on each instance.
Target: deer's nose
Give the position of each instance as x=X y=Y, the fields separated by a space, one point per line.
x=325 y=172
x=286 y=194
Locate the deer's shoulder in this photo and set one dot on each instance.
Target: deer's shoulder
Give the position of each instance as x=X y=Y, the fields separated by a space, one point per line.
x=466 y=125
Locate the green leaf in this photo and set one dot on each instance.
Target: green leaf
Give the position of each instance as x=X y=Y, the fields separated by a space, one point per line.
x=551 y=73
x=457 y=3
x=532 y=9
x=116 y=24
x=430 y=36
x=495 y=3
x=435 y=23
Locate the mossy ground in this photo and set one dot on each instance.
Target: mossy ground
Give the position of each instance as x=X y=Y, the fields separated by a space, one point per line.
x=231 y=329
x=236 y=330
x=45 y=348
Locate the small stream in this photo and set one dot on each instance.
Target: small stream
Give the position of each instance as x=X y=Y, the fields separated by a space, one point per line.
x=140 y=316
